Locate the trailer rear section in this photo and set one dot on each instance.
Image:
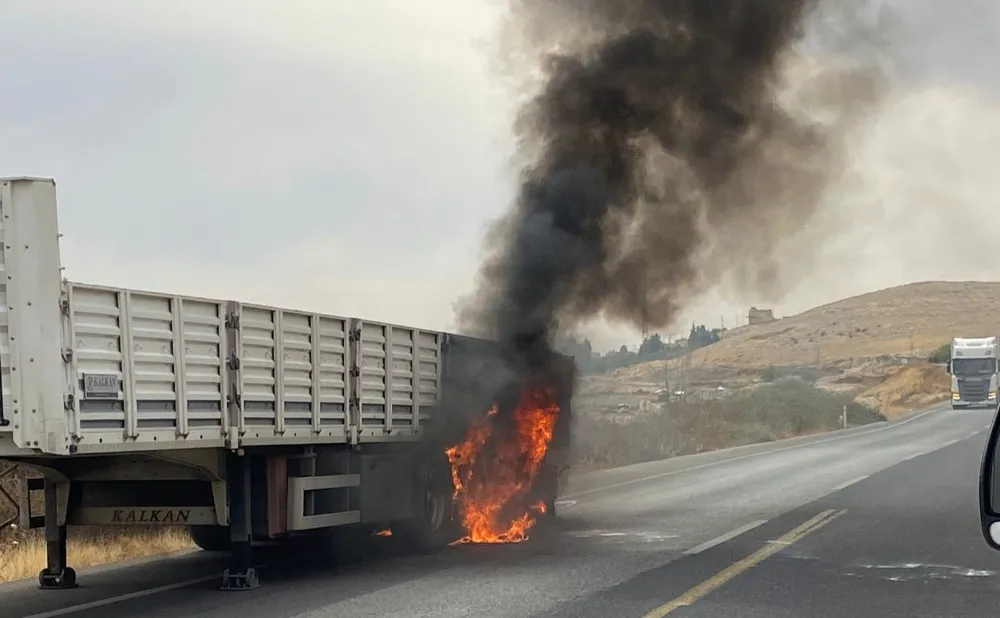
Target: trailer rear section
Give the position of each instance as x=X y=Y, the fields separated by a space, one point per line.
x=246 y=423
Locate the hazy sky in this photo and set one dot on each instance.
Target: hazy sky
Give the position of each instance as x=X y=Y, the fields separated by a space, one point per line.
x=347 y=156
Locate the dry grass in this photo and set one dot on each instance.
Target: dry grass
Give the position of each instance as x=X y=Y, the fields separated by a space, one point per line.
x=765 y=413
x=23 y=555
x=882 y=323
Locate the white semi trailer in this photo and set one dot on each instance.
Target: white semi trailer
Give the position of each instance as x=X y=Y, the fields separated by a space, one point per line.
x=244 y=422
x=973 y=367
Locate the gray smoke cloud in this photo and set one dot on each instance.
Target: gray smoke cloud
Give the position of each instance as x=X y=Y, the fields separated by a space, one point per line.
x=673 y=145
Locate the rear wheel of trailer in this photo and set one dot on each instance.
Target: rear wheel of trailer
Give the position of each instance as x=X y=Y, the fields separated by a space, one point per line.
x=211 y=538
x=433 y=525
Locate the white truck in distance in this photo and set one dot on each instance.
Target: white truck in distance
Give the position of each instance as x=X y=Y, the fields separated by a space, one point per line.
x=246 y=423
x=973 y=367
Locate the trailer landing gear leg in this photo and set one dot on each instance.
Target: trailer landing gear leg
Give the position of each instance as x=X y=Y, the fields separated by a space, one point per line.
x=240 y=575
x=56 y=575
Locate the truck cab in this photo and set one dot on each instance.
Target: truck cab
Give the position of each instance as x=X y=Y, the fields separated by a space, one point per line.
x=973 y=367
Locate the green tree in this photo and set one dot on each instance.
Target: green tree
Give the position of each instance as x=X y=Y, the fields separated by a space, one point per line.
x=941 y=355
x=652 y=346
x=700 y=336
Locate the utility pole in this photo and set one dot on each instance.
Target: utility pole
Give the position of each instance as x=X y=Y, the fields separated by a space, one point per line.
x=687 y=367
x=666 y=387
x=645 y=306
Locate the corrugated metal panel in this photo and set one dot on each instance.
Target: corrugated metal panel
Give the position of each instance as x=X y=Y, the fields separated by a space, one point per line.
x=5 y=378
x=148 y=369
x=398 y=379
x=103 y=369
x=32 y=374
x=293 y=376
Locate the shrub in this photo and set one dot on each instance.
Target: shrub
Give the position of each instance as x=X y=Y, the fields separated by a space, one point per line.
x=941 y=355
x=784 y=409
x=769 y=374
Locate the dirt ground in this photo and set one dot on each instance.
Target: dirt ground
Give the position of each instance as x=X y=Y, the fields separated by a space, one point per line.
x=907 y=388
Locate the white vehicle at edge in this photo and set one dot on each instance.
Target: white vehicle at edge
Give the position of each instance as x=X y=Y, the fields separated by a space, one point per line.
x=973 y=367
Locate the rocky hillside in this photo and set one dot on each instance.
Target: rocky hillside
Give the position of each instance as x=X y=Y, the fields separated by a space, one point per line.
x=873 y=347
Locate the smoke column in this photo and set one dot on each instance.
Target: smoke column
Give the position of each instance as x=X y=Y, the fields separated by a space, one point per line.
x=658 y=159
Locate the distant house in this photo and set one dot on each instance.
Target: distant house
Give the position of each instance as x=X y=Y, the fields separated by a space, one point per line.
x=760 y=316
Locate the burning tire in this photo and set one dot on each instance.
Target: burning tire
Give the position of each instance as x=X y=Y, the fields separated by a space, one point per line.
x=550 y=507
x=433 y=527
x=210 y=538
x=546 y=489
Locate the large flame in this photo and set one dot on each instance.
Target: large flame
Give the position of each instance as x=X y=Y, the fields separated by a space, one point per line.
x=488 y=490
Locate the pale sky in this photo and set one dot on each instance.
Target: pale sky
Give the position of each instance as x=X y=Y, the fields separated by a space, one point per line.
x=346 y=157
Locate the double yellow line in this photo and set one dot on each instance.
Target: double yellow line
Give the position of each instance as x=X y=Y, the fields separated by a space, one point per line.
x=737 y=568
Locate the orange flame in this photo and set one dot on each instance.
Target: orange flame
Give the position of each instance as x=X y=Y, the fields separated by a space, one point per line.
x=486 y=493
x=386 y=532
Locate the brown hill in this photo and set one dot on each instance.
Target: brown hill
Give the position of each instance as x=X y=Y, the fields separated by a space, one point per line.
x=907 y=320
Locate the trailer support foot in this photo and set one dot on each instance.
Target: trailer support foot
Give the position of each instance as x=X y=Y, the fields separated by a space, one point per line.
x=61 y=580
x=246 y=580
x=240 y=575
x=56 y=575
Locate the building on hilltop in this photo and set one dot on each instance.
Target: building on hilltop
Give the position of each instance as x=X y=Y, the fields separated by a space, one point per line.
x=760 y=316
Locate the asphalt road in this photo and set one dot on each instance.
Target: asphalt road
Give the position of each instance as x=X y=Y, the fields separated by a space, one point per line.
x=876 y=521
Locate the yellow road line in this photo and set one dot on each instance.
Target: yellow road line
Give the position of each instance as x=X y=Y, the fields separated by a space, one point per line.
x=743 y=565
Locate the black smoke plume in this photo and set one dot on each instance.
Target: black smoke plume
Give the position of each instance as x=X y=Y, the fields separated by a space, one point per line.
x=658 y=160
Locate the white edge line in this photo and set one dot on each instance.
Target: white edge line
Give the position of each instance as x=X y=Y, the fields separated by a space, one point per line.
x=949 y=443
x=847 y=484
x=123 y=597
x=741 y=457
x=732 y=534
